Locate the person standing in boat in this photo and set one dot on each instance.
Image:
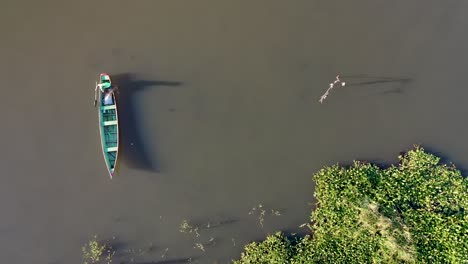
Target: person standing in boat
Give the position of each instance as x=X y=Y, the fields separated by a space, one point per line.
x=107 y=90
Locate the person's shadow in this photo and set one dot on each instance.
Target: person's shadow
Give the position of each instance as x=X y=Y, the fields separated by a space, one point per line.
x=134 y=152
x=365 y=80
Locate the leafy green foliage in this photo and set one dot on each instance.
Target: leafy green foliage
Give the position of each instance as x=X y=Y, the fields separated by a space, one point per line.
x=410 y=213
x=95 y=252
x=276 y=249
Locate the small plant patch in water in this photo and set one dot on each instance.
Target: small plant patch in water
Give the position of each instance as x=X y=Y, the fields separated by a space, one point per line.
x=95 y=252
x=200 y=246
x=185 y=227
x=260 y=212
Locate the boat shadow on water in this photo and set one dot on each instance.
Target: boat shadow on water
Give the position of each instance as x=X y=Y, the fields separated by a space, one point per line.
x=134 y=152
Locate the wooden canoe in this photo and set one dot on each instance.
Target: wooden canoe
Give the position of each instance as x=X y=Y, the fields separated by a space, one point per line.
x=108 y=123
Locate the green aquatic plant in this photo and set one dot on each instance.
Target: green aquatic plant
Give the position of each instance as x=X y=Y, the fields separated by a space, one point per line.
x=260 y=212
x=186 y=227
x=95 y=252
x=414 y=212
x=199 y=246
x=276 y=249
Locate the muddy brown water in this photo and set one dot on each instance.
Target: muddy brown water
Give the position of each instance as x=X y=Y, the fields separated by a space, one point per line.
x=219 y=113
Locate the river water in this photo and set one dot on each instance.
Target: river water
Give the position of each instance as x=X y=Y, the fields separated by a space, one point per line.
x=219 y=113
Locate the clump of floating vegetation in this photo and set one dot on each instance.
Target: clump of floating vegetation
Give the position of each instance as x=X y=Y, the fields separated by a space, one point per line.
x=413 y=212
x=95 y=252
x=186 y=227
x=260 y=213
x=199 y=246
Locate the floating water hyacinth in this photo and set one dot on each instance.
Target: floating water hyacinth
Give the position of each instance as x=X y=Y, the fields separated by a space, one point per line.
x=275 y=212
x=185 y=227
x=199 y=246
x=331 y=86
x=94 y=252
x=260 y=212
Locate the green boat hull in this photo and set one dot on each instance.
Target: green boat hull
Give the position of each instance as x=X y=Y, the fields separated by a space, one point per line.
x=108 y=126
